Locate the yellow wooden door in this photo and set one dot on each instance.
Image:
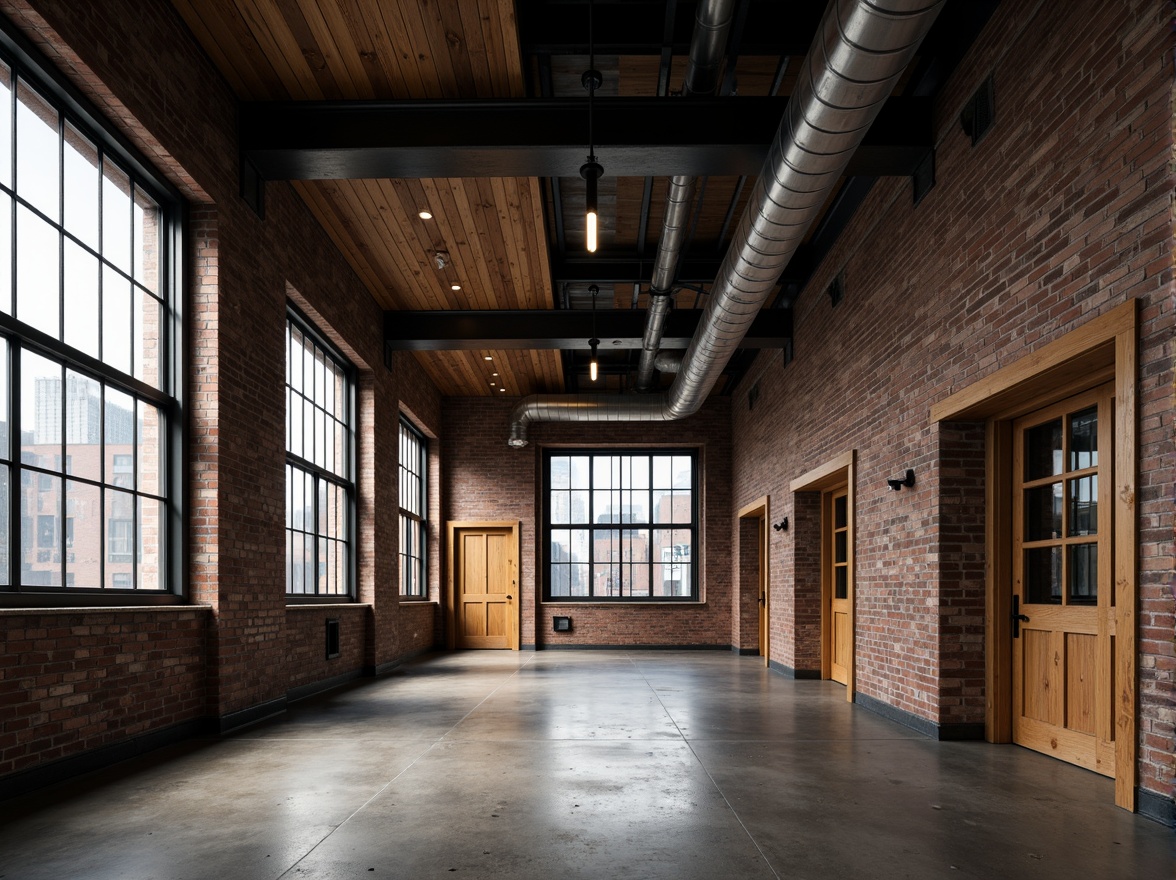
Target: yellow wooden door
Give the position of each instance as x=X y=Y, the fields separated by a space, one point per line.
x=485 y=588
x=1063 y=601
x=839 y=587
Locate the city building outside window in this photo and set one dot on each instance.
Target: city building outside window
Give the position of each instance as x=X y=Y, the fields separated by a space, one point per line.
x=413 y=510
x=320 y=485
x=89 y=433
x=621 y=525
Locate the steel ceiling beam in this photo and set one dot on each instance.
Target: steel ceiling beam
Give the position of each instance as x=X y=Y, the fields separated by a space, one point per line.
x=617 y=329
x=547 y=137
x=638 y=27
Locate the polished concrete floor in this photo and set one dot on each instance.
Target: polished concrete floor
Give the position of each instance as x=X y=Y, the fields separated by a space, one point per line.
x=595 y=764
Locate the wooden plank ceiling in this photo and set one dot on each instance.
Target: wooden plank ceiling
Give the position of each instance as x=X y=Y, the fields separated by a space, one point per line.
x=492 y=229
x=514 y=243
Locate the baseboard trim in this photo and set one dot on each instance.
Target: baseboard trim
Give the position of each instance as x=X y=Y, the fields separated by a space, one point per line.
x=800 y=674
x=745 y=652
x=23 y=782
x=953 y=732
x=594 y=647
x=1156 y=807
x=317 y=687
x=244 y=717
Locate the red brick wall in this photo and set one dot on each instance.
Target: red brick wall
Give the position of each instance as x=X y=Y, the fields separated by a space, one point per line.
x=1061 y=213
x=306 y=641
x=486 y=480
x=72 y=680
x=140 y=65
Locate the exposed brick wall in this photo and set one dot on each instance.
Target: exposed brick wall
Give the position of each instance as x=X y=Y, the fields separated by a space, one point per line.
x=141 y=66
x=306 y=642
x=486 y=480
x=71 y=681
x=1062 y=212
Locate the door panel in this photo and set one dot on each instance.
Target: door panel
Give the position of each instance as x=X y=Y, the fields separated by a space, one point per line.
x=839 y=587
x=485 y=588
x=1062 y=657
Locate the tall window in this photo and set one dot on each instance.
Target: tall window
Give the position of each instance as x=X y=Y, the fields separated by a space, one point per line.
x=88 y=431
x=320 y=487
x=413 y=507
x=621 y=525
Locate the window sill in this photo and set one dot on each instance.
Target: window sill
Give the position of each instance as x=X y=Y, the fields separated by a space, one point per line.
x=618 y=603
x=18 y=611
x=92 y=599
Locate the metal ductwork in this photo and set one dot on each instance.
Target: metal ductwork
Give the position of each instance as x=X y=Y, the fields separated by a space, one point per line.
x=857 y=56
x=712 y=23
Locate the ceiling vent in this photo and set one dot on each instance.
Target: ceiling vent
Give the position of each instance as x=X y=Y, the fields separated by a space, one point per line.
x=979 y=113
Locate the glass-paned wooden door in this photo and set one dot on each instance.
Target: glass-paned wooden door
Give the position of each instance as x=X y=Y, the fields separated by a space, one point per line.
x=1063 y=620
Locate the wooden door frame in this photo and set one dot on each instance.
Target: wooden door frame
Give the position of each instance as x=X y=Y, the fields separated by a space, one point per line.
x=835 y=474
x=760 y=509
x=1102 y=350
x=452 y=528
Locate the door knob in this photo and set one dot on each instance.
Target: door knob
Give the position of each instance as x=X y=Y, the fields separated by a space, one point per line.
x=511 y=597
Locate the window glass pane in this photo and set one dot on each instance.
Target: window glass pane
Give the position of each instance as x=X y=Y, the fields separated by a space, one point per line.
x=38 y=290
x=559 y=473
x=663 y=506
x=5 y=125
x=38 y=151
x=662 y=472
x=840 y=512
x=294 y=404
x=1083 y=506
x=148 y=224
x=840 y=546
x=119 y=451
x=1043 y=575
x=83 y=534
x=120 y=537
x=561 y=507
x=1083 y=574
x=41 y=536
x=116 y=216
x=82 y=183
x=672 y=556
x=148 y=338
x=149 y=448
x=604 y=474
x=639 y=472
x=296 y=563
x=1084 y=439
x=83 y=419
x=5 y=253
x=1043 y=450
x=5 y=574
x=841 y=582
x=1043 y=512
x=116 y=320
x=81 y=299
x=150 y=530
x=41 y=407
x=579 y=472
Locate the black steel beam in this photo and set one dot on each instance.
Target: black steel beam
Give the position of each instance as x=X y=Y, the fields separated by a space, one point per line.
x=547 y=137
x=637 y=27
x=623 y=268
x=617 y=329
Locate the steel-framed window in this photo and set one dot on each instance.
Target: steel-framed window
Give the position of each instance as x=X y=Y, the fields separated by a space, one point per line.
x=413 y=511
x=320 y=483
x=620 y=525
x=90 y=438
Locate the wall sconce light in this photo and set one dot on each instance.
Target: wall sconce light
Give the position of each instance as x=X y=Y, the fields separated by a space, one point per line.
x=897 y=484
x=781 y=526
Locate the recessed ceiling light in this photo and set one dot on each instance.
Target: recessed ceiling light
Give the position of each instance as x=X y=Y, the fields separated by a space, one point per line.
x=487 y=358
x=502 y=389
x=491 y=384
x=425 y=215
x=455 y=287
x=493 y=374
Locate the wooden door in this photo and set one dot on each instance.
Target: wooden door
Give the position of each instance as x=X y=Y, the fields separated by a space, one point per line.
x=484 y=604
x=838 y=572
x=1063 y=601
x=762 y=583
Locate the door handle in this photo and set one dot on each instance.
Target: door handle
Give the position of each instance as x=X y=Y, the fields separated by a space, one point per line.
x=1017 y=617
x=511 y=597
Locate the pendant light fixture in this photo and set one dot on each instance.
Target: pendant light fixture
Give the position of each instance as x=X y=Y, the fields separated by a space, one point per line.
x=591 y=170
x=593 y=366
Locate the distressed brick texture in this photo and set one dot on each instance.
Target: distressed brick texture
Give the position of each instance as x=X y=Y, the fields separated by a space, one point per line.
x=1061 y=213
x=140 y=65
x=486 y=480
